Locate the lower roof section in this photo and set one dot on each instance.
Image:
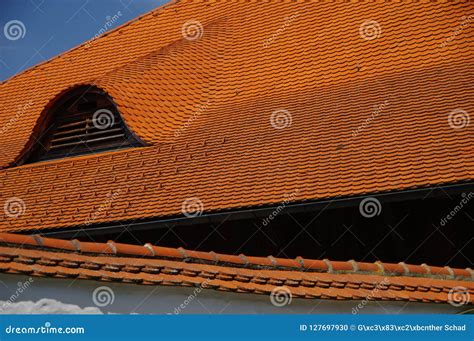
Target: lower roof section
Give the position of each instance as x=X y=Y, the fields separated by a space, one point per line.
x=299 y=278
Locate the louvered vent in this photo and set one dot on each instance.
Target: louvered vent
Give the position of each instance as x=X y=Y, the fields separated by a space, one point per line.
x=86 y=121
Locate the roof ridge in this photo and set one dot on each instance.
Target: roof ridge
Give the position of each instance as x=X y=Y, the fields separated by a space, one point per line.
x=101 y=37
x=162 y=50
x=306 y=285
x=111 y=248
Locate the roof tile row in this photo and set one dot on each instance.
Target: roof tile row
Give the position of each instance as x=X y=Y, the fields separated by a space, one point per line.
x=299 y=264
x=153 y=265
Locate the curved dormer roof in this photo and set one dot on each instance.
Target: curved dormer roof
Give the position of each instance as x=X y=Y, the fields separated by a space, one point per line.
x=82 y=121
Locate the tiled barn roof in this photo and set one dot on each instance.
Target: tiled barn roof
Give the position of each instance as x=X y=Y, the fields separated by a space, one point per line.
x=317 y=98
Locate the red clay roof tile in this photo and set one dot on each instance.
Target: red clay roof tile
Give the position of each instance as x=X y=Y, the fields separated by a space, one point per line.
x=204 y=106
x=136 y=264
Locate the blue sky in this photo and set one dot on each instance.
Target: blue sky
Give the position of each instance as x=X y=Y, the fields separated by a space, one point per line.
x=32 y=31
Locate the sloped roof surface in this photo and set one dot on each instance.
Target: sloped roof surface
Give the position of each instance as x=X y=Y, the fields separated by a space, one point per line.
x=354 y=110
x=302 y=278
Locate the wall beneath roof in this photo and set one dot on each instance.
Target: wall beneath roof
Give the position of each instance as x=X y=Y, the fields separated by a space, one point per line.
x=61 y=296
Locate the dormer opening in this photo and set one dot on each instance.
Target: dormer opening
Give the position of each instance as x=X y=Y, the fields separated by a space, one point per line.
x=82 y=121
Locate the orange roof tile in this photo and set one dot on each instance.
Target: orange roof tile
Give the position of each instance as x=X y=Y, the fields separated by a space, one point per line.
x=37 y=256
x=204 y=108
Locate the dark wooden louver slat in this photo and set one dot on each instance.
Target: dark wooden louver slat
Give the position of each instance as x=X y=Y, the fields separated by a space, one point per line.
x=74 y=128
x=69 y=125
x=66 y=132
x=85 y=137
x=89 y=141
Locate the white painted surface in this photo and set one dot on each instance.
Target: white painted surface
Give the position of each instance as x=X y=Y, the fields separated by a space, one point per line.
x=45 y=306
x=59 y=296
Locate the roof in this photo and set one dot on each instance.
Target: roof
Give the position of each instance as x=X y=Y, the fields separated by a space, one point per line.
x=155 y=265
x=351 y=114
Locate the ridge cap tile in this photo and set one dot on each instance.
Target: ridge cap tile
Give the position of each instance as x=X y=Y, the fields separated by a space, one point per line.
x=116 y=250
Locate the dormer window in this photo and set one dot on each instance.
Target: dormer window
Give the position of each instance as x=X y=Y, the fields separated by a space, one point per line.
x=83 y=121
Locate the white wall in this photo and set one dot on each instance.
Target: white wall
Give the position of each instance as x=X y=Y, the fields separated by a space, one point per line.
x=51 y=295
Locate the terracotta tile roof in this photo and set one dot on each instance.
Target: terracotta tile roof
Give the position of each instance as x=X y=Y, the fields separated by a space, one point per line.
x=204 y=107
x=155 y=265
